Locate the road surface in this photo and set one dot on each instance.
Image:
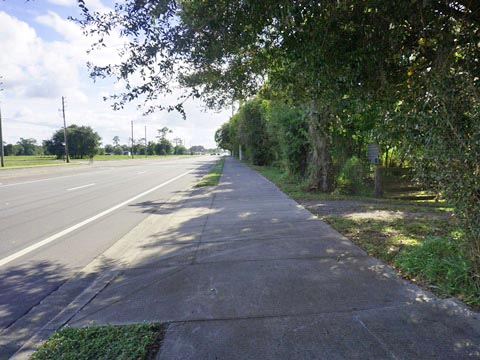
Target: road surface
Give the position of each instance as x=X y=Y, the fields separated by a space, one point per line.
x=54 y=221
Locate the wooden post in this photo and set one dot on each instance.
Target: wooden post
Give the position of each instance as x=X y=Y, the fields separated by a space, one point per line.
x=378 y=182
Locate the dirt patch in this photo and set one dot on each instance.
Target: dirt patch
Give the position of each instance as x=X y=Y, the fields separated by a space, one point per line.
x=357 y=209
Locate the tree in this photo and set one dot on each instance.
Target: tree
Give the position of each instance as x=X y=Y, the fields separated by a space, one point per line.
x=162 y=133
x=197 y=149
x=109 y=149
x=8 y=150
x=82 y=142
x=116 y=141
x=180 y=150
x=151 y=148
x=224 y=137
x=163 y=147
x=27 y=147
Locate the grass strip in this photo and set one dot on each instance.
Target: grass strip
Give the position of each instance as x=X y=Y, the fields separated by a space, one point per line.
x=213 y=176
x=418 y=238
x=138 y=157
x=136 y=341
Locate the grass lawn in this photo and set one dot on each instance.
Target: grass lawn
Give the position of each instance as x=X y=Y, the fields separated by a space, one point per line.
x=31 y=160
x=420 y=238
x=213 y=176
x=129 y=157
x=137 y=341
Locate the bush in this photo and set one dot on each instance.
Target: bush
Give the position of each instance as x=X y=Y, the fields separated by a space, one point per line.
x=354 y=177
x=441 y=260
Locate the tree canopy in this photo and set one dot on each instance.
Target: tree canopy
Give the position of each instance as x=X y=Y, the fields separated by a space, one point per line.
x=82 y=142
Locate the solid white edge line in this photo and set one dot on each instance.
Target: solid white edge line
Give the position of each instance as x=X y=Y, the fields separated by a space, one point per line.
x=48 y=240
x=80 y=187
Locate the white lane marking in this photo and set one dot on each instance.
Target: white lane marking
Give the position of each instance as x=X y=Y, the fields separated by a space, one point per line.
x=142 y=172
x=54 y=178
x=48 y=240
x=80 y=187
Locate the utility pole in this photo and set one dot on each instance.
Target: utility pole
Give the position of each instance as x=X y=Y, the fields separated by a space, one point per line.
x=2 y=154
x=67 y=157
x=132 y=139
x=146 y=141
x=2 y=160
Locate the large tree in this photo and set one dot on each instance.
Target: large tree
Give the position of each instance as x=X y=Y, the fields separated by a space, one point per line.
x=83 y=142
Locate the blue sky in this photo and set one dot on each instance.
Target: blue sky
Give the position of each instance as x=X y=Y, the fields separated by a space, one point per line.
x=43 y=57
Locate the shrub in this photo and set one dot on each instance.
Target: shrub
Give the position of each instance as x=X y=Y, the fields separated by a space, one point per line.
x=441 y=260
x=354 y=177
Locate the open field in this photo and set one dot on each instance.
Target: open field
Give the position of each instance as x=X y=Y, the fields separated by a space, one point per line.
x=33 y=160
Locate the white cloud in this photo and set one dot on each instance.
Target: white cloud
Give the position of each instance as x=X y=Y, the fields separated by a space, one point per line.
x=63 y=2
x=68 y=29
x=37 y=72
x=95 y=5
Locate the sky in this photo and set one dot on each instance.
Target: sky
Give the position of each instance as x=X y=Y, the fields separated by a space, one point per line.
x=43 y=57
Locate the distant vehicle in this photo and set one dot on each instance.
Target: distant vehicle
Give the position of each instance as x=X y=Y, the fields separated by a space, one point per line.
x=127 y=153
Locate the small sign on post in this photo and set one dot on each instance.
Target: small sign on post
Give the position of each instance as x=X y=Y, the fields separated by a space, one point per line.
x=373 y=158
x=372 y=154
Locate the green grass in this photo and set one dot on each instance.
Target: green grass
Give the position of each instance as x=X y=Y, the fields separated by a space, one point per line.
x=426 y=250
x=129 y=157
x=32 y=160
x=213 y=176
x=137 y=341
x=389 y=236
x=417 y=237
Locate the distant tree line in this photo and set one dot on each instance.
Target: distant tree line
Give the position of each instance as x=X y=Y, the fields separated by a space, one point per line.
x=162 y=146
x=23 y=147
x=84 y=142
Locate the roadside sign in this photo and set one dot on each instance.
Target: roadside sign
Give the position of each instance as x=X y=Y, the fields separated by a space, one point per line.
x=373 y=154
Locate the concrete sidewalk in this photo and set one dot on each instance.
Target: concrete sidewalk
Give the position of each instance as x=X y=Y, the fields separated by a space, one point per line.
x=243 y=272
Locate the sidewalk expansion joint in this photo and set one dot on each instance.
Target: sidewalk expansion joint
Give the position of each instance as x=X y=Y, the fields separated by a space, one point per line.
x=203 y=229
x=377 y=339
x=159 y=278
x=352 y=312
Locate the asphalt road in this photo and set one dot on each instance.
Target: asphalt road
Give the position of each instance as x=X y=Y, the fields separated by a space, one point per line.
x=54 y=221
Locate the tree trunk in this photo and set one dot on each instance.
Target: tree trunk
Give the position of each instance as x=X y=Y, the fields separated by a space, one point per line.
x=320 y=162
